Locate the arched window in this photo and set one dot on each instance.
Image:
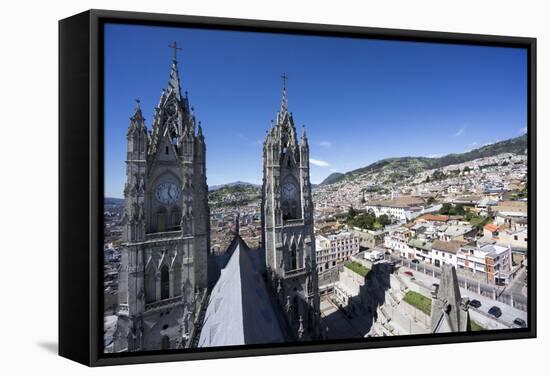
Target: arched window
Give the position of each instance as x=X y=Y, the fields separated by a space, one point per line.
x=176 y=279
x=293 y=256
x=150 y=285
x=175 y=218
x=164 y=282
x=161 y=220
x=290 y=199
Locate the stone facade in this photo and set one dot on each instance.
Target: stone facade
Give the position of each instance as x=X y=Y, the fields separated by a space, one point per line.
x=164 y=265
x=287 y=224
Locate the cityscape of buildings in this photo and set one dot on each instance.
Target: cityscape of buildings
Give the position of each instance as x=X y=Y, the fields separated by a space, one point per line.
x=384 y=251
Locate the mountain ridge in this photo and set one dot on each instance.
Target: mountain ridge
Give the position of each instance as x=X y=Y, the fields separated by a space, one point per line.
x=237 y=183
x=516 y=145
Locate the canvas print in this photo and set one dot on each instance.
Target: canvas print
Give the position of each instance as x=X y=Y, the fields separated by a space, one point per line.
x=271 y=188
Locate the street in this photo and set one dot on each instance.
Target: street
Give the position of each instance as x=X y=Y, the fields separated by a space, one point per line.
x=509 y=314
x=510 y=296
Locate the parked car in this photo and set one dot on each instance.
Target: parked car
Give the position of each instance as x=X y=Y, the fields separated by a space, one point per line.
x=520 y=322
x=408 y=273
x=475 y=303
x=495 y=311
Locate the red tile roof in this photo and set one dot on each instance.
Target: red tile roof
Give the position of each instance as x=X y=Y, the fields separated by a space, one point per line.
x=433 y=218
x=490 y=227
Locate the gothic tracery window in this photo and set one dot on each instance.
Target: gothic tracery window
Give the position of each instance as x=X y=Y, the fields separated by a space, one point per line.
x=290 y=200
x=175 y=218
x=164 y=282
x=293 y=256
x=150 y=285
x=161 y=220
x=176 y=280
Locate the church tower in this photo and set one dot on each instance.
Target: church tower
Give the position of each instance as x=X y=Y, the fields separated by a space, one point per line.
x=163 y=276
x=287 y=224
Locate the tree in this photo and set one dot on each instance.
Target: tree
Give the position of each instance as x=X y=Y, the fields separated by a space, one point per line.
x=363 y=199
x=438 y=175
x=446 y=208
x=430 y=201
x=449 y=209
x=352 y=213
x=384 y=220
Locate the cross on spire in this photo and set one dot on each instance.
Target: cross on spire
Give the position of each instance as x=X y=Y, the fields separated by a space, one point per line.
x=175 y=47
x=284 y=77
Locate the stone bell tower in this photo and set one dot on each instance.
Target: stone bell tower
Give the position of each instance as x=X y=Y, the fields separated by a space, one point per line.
x=287 y=223
x=163 y=276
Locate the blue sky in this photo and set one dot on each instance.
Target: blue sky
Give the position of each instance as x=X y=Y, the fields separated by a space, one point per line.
x=360 y=100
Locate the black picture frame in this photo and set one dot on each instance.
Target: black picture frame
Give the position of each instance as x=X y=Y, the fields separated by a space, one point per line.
x=81 y=184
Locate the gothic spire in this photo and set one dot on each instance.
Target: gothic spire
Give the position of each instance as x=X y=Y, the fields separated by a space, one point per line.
x=284 y=101
x=284 y=125
x=199 y=131
x=137 y=121
x=137 y=112
x=174 y=81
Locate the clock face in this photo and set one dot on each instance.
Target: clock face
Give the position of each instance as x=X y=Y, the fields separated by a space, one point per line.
x=167 y=193
x=289 y=192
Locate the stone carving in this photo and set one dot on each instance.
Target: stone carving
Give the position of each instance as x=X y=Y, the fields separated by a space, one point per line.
x=147 y=165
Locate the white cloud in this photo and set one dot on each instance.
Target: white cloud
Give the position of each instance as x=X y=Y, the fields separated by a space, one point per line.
x=460 y=131
x=325 y=144
x=523 y=130
x=318 y=162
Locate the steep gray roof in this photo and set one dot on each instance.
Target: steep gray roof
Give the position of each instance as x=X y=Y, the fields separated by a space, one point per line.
x=449 y=312
x=240 y=311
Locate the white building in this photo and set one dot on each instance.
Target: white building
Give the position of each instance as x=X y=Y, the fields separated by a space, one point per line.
x=333 y=249
x=400 y=208
x=492 y=262
x=445 y=252
x=397 y=240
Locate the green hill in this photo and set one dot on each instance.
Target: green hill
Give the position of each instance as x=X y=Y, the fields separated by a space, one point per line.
x=231 y=195
x=406 y=166
x=332 y=178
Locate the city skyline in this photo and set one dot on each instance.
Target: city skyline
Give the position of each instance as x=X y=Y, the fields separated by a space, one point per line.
x=456 y=98
x=405 y=247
